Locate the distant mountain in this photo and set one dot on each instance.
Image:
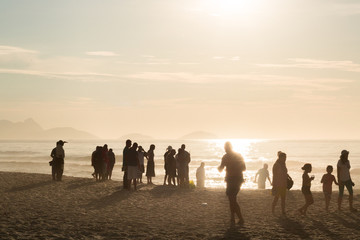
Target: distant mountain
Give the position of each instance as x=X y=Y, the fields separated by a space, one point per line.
x=135 y=137
x=29 y=129
x=199 y=135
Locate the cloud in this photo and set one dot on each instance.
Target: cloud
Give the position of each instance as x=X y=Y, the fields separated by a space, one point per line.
x=344 y=9
x=7 y=50
x=102 y=54
x=348 y=66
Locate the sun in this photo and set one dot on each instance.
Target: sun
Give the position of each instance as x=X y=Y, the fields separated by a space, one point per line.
x=233 y=7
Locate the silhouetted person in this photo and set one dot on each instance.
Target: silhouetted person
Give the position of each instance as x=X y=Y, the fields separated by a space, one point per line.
x=125 y=164
x=150 y=167
x=200 y=176
x=105 y=162
x=344 y=179
x=181 y=167
x=187 y=162
x=168 y=150
x=279 y=181
x=327 y=180
x=98 y=162
x=111 y=163
x=235 y=165
x=58 y=155
x=133 y=165
x=141 y=155
x=171 y=167
x=305 y=189
x=263 y=174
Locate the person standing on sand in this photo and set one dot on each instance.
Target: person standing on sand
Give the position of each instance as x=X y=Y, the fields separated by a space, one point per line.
x=133 y=165
x=187 y=162
x=200 y=176
x=150 y=167
x=279 y=182
x=125 y=164
x=141 y=155
x=168 y=150
x=111 y=157
x=105 y=162
x=235 y=165
x=171 y=167
x=263 y=175
x=58 y=155
x=344 y=179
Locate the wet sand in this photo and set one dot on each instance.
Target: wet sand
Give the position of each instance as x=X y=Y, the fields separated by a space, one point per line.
x=32 y=206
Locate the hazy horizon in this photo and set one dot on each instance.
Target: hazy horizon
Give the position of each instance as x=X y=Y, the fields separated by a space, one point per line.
x=235 y=68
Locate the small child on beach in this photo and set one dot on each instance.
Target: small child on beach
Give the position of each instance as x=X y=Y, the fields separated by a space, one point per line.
x=200 y=175
x=327 y=180
x=305 y=189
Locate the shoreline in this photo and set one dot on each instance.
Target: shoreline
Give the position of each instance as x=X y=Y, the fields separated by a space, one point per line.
x=35 y=207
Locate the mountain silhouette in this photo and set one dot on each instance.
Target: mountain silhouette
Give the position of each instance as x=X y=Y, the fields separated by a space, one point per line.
x=29 y=129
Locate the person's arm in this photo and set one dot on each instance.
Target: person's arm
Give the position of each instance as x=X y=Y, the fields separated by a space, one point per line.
x=334 y=179
x=338 y=173
x=269 y=180
x=222 y=165
x=256 y=176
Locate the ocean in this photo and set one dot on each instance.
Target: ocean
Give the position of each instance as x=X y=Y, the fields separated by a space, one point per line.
x=33 y=157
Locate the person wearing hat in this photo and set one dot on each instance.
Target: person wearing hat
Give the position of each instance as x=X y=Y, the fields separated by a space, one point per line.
x=344 y=179
x=57 y=164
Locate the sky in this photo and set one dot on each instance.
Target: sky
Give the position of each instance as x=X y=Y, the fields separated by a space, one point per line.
x=273 y=69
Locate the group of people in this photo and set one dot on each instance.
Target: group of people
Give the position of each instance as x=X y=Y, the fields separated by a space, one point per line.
x=235 y=165
x=103 y=161
x=176 y=166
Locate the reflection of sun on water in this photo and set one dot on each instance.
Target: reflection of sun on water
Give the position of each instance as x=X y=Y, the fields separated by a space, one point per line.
x=242 y=146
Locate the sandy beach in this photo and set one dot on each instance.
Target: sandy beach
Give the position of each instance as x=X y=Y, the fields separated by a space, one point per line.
x=34 y=207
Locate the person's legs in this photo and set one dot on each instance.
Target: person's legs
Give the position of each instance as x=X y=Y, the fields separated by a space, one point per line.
x=327 y=201
x=276 y=198
x=348 y=186
x=135 y=184
x=283 y=199
x=53 y=172
x=341 y=194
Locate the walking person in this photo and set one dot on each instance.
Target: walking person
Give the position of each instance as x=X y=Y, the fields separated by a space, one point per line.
x=235 y=166
x=200 y=175
x=279 y=182
x=125 y=164
x=150 y=167
x=305 y=189
x=263 y=174
x=344 y=179
x=327 y=180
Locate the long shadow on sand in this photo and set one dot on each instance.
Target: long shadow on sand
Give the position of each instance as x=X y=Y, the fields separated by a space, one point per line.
x=352 y=223
x=163 y=191
x=109 y=200
x=30 y=186
x=293 y=227
x=236 y=233
x=321 y=227
x=81 y=183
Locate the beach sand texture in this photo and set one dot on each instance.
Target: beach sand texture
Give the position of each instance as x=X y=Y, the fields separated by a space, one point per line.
x=32 y=206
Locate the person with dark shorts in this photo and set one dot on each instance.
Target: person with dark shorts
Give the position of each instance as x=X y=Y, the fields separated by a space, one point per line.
x=344 y=179
x=235 y=165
